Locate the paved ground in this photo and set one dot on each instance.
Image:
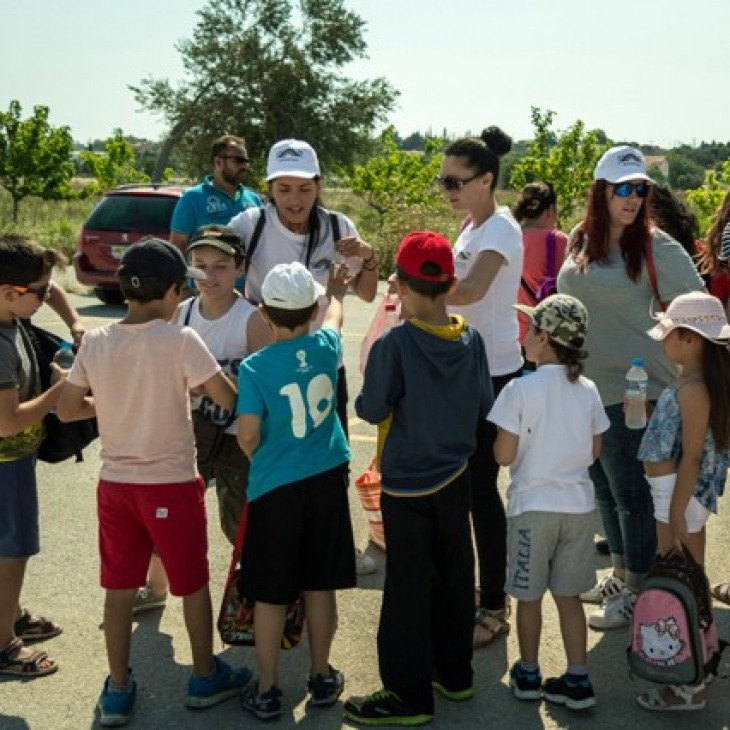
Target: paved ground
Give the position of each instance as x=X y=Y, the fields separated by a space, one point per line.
x=63 y=582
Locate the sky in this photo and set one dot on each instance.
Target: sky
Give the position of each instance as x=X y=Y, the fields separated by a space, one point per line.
x=649 y=71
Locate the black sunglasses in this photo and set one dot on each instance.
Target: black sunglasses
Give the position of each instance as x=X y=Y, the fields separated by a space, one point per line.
x=624 y=189
x=454 y=183
x=238 y=158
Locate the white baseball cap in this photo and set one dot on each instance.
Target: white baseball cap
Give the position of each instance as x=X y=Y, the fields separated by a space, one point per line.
x=620 y=164
x=292 y=158
x=290 y=286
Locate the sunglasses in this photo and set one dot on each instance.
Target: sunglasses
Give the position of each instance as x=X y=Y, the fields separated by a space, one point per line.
x=238 y=158
x=40 y=293
x=624 y=189
x=454 y=183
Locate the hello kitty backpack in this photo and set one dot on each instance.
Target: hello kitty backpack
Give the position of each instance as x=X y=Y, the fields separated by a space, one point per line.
x=673 y=635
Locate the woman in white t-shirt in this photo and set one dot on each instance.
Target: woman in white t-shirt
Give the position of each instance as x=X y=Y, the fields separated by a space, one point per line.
x=295 y=227
x=488 y=257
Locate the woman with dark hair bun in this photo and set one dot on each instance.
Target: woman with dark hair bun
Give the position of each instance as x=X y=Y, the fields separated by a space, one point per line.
x=488 y=256
x=536 y=211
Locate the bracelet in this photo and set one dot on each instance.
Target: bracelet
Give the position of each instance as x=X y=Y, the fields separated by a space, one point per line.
x=372 y=256
x=370 y=268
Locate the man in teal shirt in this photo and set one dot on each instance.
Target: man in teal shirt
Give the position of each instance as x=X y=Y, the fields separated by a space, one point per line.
x=219 y=197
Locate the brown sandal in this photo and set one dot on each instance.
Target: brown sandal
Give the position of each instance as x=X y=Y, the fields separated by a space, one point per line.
x=31 y=628
x=489 y=626
x=36 y=664
x=721 y=592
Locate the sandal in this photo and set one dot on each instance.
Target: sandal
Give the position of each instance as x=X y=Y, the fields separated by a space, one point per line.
x=35 y=664
x=489 y=626
x=721 y=592
x=673 y=698
x=31 y=628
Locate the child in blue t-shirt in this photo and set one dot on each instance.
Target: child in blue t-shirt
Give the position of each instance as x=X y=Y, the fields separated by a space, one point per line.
x=299 y=535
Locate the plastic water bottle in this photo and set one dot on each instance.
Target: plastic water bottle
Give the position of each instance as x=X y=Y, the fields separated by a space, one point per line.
x=64 y=356
x=636 y=385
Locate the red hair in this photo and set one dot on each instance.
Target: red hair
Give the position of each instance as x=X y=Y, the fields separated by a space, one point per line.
x=591 y=240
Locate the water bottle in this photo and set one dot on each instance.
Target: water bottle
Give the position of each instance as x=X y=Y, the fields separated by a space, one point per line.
x=636 y=385
x=64 y=356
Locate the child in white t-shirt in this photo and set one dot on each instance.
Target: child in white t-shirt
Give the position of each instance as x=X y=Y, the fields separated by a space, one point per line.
x=550 y=500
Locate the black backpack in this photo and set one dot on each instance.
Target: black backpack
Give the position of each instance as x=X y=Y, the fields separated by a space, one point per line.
x=62 y=440
x=258 y=230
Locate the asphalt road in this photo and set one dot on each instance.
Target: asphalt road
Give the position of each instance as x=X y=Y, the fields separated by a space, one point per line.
x=62 y=582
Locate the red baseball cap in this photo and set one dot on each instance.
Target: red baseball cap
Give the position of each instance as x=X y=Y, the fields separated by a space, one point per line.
x=426 y=247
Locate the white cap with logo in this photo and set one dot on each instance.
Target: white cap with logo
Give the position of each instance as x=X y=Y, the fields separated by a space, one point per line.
x=620 y=164
x=290 y=286
x=292 y=158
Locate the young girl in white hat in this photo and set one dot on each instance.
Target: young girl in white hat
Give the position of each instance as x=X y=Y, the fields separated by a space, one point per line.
x=686 y=447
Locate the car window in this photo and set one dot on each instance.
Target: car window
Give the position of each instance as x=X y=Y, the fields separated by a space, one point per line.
x=133 y=213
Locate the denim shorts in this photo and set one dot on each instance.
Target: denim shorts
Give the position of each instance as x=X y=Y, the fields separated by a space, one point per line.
x=18 y=508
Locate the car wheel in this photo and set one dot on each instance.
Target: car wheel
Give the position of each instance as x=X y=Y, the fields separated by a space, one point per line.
x=109 y=296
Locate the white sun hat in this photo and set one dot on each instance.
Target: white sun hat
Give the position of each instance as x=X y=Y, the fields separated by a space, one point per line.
x=696 y=311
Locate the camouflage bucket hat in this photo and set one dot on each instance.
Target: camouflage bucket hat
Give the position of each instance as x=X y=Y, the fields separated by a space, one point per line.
x=562 y=317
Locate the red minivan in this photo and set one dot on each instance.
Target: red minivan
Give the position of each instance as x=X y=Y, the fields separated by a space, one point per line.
x=123 y=216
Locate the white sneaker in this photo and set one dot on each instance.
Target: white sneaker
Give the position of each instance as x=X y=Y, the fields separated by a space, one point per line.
x=609 y=586
x=615 y=613
x=364 y=564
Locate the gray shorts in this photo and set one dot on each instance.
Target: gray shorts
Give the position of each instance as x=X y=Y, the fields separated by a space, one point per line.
x=18 y=508
x=550 y=551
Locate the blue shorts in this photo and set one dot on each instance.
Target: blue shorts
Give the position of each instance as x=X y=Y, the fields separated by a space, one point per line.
x=18 y=508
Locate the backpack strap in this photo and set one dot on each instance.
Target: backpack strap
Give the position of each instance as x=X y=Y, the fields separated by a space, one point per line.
x=335 y=223
x=189 y=312
x=526 y=287
x=255 y=238
x=552 y=264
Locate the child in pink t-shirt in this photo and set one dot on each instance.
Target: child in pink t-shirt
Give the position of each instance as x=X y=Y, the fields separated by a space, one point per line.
x=140 y=371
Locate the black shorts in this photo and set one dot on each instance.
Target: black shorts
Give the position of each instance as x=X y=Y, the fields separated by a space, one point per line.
x=299 y=538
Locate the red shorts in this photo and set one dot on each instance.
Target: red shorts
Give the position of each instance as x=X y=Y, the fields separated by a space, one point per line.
x=134 y=518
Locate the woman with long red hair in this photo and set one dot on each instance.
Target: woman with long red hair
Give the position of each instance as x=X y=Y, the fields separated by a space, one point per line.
x=609 y=268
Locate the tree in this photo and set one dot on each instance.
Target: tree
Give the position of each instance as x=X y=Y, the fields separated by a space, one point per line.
x=684 y=173
x=564 y=159
x=35 y=158
x=706 y=199
x=398 y=185
x=266 y=70
x=116 y=165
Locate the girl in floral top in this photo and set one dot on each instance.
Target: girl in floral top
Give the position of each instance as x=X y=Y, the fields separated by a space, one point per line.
x=685 y=448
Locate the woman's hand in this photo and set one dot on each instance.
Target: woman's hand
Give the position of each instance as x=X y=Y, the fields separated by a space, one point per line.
x=351 y=246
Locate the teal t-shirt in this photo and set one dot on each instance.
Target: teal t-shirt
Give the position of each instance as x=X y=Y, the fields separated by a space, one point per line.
x=205 y=205
x=292 y=387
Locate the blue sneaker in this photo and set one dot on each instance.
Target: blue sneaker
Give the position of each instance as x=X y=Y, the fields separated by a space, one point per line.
x=225 y=683
x=525 y=685
x=325 y=690
x=115 y=707
x=265 y=705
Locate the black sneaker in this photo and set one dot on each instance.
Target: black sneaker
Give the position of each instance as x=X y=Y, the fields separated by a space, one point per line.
x=525 y=685
x=383 y=708
x=265 y=705
x=570 y=690
x=326 y=690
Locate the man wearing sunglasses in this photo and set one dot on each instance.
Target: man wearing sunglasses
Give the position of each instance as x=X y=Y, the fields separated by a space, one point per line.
x=219 y=197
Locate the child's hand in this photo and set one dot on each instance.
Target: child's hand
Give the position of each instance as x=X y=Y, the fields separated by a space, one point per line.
x=338 y=281
x=58 y=374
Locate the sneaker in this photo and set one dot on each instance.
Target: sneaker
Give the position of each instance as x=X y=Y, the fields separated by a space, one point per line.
x=364 y=564
x=383 y=708
x=453 y=695
x=326 y=690
x=525 y=685
x=265 y=705
x=225 y=683
x=569 y=690
x=608 y=586
x=115 y=708
x=615 y=613
x=147 y=600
